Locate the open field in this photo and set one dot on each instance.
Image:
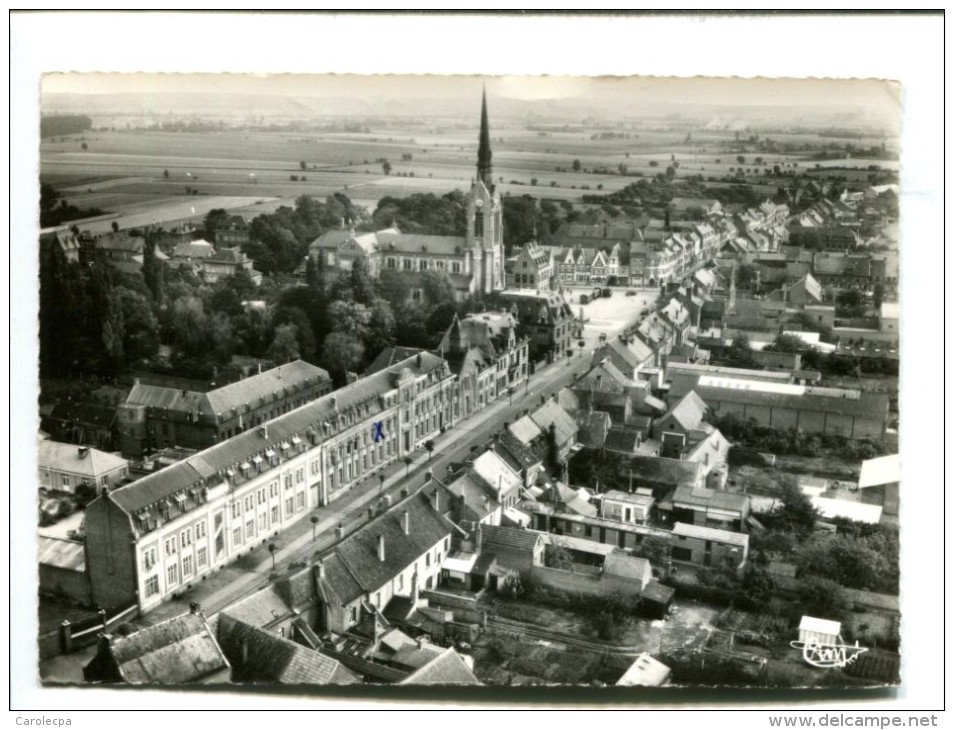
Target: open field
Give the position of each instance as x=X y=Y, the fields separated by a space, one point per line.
x=127 y=172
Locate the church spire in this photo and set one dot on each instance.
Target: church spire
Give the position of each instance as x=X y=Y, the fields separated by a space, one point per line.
x=484 y=170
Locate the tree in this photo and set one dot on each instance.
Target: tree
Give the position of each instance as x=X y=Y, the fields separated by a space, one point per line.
x=797 y=512
x=740 y=159
x=140 y=336
x=361 y=283
x=284 y=347
x=576 y=165
x=786 y=343
x=438 y=287
x=115 y=226
x=407 y=465
x=739 y=353
x=386 y=167
x=314 y=527
x=84 y=146
x=429 y=445
x=165 y=174
x=215 y=219
x=271 y=549
x=303 y=165
x=557 y=556
x=342 y=353
x=153 y=270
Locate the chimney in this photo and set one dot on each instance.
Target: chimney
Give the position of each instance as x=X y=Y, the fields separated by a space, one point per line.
x=320 y=565
x=260 y=368
x=415 y=590
x=406 y=522
x=419 y=360
x=437 y=500
x=83 y=452
x=381 y=548
x=339 y=532
x=478 y=539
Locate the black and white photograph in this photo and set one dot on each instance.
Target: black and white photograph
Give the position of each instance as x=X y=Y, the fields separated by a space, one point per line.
x=470 y=381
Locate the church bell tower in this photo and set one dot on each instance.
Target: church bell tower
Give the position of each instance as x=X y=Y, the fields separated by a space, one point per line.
x=485 y=216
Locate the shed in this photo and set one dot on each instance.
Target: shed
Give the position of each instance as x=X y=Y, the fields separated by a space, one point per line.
x=645 y=672
x=819 y=630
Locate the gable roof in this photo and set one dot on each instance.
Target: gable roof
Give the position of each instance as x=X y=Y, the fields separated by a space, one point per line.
x=491 y=467
x=193 y=250
x=739 y=539
x=177 y=651
x=68 y=458
x=880 y=470
x=353 y=567
x=551 y=414
x=508 y=537
x=65 y=554
x=688 y=412
x=448 y=667
x=525 y=430
x=266 y=657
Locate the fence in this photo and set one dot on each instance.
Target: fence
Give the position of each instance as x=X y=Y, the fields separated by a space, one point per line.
x=83 y=633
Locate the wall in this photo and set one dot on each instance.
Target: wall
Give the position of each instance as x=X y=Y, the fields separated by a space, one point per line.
x=585 y=583
x=110 y=553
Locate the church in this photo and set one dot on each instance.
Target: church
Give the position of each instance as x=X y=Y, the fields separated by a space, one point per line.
x=474 y=262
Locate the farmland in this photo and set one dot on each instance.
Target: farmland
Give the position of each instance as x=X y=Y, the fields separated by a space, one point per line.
x=142 y=176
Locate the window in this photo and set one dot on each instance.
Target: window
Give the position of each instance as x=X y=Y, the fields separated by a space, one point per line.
x=288 y=481
x=275 y=515
x=300 y=475
x=152 y=586
x=186 y=538
x=200 y=530
x=149 y=558
x=172 y=575
x=408 y=264
x=237 y=536
x=455 y=267
x=186 y=566
x=261 y=496
x=377 y=599
x=66 y=481
x=249 y=502
x=171 y=546
x=236 y=508
x=301 y=501
x=315 y=466
x=427 y=560
x=354 y=615
x=250 y=528
x=202 y=557
x=104 y=481
x=289 y=507
x=262 y=522
x=401 y=582
x=447 y=543
x=273 y=489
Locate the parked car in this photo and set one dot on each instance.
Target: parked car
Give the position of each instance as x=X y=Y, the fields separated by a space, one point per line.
x=607 y=292
x=631 y=293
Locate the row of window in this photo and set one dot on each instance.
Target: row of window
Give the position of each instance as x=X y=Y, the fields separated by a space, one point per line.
x=408 y=264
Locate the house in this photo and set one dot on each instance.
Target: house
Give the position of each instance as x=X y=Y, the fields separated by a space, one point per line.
x=545 y=318
x=531 y=267
x=487 y=357
x=64 y=467
x=660 y=474
x=396 y=553
x=191 y=254
x=150 y=540
x=82 y=422
x=260 y=656
x=804 y=292
x=155 y=417
x=709 y=547
x=519 y=456
x=120 y=246
x=628 y=507
x=889 y=317
x=707 y=508
x=447 y=668
x=629 y=355
x=62 y=244
x=515 y=548
x=226 y=262
x=594 y=427
x=180 y=650
x=560 y=427
x=503 y=481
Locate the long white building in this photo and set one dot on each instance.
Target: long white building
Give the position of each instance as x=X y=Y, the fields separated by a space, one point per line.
x=156 y=537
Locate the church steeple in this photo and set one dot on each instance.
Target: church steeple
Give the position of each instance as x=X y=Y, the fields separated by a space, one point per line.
x=484 y=170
